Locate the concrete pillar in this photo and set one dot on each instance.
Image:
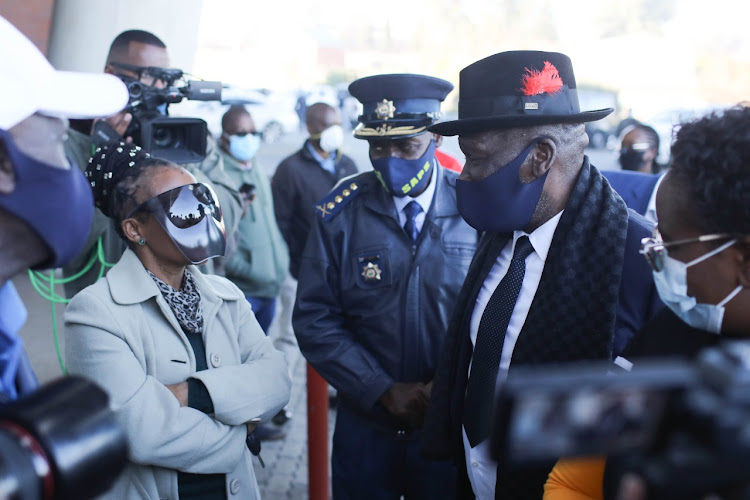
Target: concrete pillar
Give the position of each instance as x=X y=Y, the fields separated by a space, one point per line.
x=82 y=30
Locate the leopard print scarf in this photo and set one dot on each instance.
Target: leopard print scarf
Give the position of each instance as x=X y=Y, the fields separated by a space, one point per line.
x=185 y=303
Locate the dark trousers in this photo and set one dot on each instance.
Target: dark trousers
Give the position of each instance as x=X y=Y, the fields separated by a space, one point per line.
x=368 y=463
x=264 y=309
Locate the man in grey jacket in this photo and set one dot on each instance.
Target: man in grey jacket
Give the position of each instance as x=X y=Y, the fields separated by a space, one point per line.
x=378 y=278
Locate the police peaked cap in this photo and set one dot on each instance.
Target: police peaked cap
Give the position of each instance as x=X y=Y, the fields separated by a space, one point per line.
x=398 y=105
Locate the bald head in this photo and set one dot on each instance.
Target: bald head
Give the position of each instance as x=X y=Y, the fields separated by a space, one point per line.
x=232 y=117
x=320 y=116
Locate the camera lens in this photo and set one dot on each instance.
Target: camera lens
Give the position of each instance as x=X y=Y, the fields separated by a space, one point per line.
x=163 y=137
x=135 y=89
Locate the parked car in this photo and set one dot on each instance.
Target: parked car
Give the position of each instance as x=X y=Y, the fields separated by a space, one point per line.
x=600 y=132
x=272 y=112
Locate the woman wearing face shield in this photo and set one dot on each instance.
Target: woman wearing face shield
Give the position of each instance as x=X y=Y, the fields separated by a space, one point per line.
x=700 y=257
x=188 y=368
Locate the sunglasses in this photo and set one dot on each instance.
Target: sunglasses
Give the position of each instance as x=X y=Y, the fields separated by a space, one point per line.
x=654 y=249
x=243 y=134
x=184 y=206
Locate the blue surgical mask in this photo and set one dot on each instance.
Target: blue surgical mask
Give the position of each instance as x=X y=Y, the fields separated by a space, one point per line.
x=55 y=202
x=500 y=202
x=671 y=284
x=244 y=147
x=401 y=176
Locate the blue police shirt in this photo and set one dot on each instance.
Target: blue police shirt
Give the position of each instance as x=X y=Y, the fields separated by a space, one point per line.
x=12 y=317
x=328 y=164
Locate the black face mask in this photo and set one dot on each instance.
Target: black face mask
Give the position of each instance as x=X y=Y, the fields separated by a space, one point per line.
x=632 y=159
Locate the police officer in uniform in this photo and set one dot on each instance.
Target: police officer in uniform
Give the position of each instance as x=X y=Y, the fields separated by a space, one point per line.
x=378 y=279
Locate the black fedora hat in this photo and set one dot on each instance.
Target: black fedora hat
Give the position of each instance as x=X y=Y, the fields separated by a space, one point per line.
x=515 y=89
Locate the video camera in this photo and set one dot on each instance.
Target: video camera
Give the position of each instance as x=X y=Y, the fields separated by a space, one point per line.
x=684 y=427
x=179 y=140
x=60 y=442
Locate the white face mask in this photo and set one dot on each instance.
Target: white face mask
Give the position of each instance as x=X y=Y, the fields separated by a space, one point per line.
x=332 y=138
x=671 y=284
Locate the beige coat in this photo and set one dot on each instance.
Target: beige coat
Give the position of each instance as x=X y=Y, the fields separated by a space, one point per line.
x=121 y=333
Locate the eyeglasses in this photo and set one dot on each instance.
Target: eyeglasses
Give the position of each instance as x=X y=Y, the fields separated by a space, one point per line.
x=654 y=249
x=637 y=146
x=184 y=206
x=151 y=75
x=254 y=133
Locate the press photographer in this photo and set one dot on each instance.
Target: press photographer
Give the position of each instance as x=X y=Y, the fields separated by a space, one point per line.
x=141 y=58
x=700 y=257
x=152 y=90
x=60 y=441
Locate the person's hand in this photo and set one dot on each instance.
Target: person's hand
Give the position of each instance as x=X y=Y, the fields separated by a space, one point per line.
x=246 y=201
x=120 y=123
x=407 y=401
x=633 y=487
x=180 y=392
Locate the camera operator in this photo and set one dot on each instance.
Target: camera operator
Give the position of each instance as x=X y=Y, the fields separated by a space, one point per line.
x=700 y=256
x=132 y=56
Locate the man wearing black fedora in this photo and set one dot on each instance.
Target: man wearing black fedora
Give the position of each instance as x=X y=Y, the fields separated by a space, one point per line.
x=557 y=276
x=378 y=280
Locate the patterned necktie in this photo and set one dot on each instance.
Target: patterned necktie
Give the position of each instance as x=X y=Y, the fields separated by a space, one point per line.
x=410 y=226
x=480 y=390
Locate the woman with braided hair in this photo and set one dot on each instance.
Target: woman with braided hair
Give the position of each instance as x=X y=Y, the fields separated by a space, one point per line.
x=188 y=368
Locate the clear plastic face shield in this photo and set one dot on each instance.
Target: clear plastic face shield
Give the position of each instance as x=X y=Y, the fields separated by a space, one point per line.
x=191 y=217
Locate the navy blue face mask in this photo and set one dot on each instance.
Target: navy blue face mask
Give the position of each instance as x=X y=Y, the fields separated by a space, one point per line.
x=500 y=202
x=401 y=176
x=55 y=202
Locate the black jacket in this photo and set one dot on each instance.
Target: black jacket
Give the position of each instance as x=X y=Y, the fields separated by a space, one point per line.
x=299 y=183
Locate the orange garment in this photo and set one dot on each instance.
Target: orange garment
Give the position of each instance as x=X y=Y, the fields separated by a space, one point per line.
x=576 y=479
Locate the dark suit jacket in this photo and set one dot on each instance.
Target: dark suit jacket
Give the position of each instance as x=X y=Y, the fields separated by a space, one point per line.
x=637 y=302
x=635 y=188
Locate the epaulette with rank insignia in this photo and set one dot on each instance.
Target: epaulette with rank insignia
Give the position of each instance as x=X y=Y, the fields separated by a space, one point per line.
x=334 y=201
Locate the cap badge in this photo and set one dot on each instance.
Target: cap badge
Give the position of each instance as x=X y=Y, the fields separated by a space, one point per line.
x=371 y=272
x=385 y=109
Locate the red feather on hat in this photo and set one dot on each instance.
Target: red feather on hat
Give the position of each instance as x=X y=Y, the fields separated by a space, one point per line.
x=540 y=82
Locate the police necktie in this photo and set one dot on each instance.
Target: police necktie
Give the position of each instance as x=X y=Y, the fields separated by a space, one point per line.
x=410 y=226
x=480 y=390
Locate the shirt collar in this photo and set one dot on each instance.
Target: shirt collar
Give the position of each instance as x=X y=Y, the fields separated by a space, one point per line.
x=12 y=311
x=541 y=237
x=651 y=209
x=424 y=199
x=325 y=163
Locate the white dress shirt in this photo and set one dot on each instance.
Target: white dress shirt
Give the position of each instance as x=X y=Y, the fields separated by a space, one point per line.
x=481 y=468
x=651 y=210
x=424 y=200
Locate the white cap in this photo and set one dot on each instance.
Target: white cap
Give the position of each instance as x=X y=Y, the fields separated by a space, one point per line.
x=29 y=84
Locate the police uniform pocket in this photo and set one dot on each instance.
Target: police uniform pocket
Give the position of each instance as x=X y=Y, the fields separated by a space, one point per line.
x=459 y=248
x=372 y=268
